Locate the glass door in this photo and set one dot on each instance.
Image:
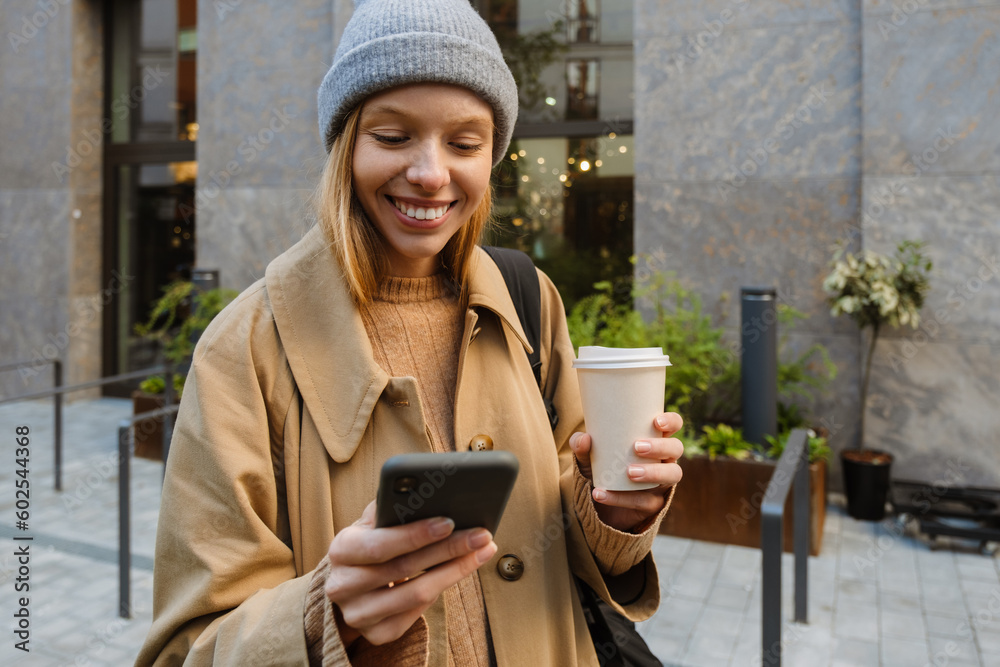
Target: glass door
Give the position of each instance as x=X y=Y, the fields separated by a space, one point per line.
x=149 y=168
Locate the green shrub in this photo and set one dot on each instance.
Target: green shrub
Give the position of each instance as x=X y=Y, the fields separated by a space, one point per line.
x=678 y=325
x=819 y=449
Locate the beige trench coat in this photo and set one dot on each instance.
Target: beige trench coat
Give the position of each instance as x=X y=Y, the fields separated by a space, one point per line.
x=285 y=422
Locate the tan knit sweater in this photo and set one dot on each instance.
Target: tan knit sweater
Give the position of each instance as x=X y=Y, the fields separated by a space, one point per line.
x=415 y=328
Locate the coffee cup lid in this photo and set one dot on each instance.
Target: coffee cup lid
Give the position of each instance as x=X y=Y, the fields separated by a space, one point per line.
x=598 y=357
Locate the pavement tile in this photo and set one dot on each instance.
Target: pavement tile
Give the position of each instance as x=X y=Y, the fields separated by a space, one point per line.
x=856 y=621
x=706 y=649
x=952 y=627
x=670 y=548
x=675 y=618
x=978 y=568
x=984 y=604
x=903 y=652
x=729 y=597
x=667 y=648
x=900 y=582
x=852 y=590
x=854 y=653
x=900 y=625
x=988 y=639
x=808 y=652
x=695 y=578
x=900 y=602
x=935 y=593
x=953 y=651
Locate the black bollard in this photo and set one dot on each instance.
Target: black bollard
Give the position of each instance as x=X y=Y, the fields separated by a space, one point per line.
x=205 y=279
x=759 y=362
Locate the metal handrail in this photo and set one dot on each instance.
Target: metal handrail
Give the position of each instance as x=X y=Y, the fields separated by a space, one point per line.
x=125 y=437
x=58 y=390
x=793 y=465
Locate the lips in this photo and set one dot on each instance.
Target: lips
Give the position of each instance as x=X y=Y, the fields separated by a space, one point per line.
x=420 y=212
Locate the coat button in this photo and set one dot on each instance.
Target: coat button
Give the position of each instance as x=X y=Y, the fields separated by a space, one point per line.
x=510 y=567
x=481 y=443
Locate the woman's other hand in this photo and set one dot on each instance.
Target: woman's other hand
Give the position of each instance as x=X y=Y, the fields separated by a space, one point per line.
x=625 y=510
x=382 y=579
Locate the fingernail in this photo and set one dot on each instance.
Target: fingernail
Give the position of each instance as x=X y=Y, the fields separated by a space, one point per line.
x=642 y=447
x=441 y=527
x=479 y=539
x=600 y=494
x=636 y=472
x=661 y=421
x=486 y=553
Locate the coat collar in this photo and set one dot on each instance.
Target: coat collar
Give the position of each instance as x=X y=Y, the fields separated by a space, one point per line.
x=325 y=342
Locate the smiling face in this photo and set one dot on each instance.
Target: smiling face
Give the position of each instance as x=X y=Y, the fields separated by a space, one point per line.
x=422 y=163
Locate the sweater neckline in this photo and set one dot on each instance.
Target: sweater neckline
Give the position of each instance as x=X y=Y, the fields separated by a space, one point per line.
x=395 y=289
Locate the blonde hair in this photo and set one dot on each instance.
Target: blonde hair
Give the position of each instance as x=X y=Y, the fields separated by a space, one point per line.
x=358 y=245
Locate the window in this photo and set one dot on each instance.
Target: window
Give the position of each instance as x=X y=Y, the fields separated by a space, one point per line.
x=564 y=192
x=581 y=89
x=582 y=26
x=149 y=166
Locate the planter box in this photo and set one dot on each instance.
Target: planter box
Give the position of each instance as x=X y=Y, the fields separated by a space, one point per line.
x=719 y=501
x=148 y=432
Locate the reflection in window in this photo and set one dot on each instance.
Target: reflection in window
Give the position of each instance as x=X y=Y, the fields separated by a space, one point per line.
x=156 y=246
x=582 y=26
x=581 y=89
x=154 y=67
x=568 y=203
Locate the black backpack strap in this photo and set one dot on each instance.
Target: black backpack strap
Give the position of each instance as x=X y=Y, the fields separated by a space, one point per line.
x=616 y=641
x=522 y=282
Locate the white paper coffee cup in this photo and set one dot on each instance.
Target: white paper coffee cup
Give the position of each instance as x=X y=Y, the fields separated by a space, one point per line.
x=622 y=391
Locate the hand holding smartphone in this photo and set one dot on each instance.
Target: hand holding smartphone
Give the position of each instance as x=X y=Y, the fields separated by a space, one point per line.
x=470 y=488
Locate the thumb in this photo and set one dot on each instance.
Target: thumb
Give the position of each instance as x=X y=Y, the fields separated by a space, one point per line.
x=580 y=444
x=367 y=517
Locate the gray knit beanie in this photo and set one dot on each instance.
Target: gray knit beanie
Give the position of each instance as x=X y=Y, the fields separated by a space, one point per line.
x=389 y=43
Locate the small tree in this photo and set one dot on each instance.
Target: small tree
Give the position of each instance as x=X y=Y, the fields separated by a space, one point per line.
x=875 y=291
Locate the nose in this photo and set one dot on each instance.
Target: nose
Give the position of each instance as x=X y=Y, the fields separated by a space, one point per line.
x=429 y=168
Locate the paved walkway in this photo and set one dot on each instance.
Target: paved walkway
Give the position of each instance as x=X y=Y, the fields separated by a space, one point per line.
x=877 y=598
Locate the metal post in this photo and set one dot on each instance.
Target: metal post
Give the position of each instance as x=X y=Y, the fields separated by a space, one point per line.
x=205 y=279
x=759 y=363
x=802 y=534
x=792 y=469
x=57 y=382
x=771 y=536
x=124 y=520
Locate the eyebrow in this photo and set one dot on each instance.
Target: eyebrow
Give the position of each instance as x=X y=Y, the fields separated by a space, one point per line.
x=383 y=108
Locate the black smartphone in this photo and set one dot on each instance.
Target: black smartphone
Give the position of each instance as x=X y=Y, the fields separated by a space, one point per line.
x=470 y=488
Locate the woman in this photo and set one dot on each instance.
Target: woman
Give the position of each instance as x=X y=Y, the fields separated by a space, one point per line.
x=386 y=330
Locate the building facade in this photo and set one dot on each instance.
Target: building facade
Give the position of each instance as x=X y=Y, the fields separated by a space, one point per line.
x=142 y=138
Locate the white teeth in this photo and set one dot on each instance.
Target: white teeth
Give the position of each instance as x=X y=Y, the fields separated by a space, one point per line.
x=420 y=213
